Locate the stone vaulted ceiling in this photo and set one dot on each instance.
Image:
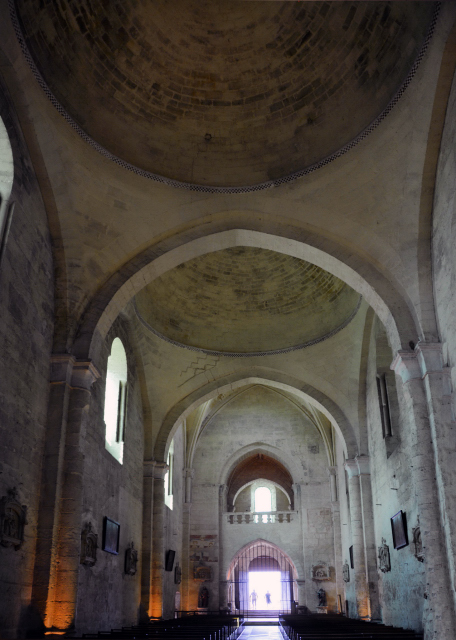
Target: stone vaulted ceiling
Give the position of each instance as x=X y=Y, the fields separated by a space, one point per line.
x=222 y=92
x=246 y=300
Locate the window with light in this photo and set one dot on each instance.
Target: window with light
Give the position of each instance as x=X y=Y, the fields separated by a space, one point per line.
x=115 y=407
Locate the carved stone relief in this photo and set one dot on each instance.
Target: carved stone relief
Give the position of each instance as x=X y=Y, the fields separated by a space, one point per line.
x=12 y=520
x=384 y=557
x=417 y=543
x=89 y=545
x=177 y=574
x=202 y=573
x=131 y=560
x=346 y=572
x=320 y=571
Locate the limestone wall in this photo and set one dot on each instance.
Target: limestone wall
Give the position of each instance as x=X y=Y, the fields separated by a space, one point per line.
x=26 y=327
x=107 y=597
x=401 y=589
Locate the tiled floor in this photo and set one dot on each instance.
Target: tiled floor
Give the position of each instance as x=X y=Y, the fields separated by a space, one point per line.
x=261 y=633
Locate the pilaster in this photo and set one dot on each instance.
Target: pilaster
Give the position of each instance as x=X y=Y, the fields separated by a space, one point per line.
x=432 y=464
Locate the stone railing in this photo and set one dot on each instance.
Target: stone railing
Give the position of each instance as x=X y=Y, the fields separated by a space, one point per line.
x=260 y=517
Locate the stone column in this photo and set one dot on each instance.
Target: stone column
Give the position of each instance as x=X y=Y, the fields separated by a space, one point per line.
x=370 y=548
x=223 y=593
x=70 y=397
x=356 y=518
x=338 y=562
x=302 y=599
x=147 y=538
x=223 y=582
x=43 y=592
x=186 y=518
x=425 y=388
x=158 y=550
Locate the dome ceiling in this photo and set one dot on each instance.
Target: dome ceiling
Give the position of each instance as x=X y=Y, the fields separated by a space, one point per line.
x=246 y=300
x=223 y=93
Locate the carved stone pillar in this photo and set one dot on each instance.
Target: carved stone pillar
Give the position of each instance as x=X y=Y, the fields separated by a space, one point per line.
x=370 y=548
x=359 y=560
x=59 y=528
x=425 y=387
x=158 y=551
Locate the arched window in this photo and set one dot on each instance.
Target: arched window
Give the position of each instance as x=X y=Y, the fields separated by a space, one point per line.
x=169 y=476
x=116 y=400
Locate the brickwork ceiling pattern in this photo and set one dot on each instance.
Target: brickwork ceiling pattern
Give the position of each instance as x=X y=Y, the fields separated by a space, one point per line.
x=246 y=299
x=223 y=93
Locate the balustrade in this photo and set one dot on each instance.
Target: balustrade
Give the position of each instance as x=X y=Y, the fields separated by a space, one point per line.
x=260 y=517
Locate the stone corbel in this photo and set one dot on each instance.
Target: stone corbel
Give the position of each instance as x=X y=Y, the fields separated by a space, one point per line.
x=351 y=467
x=363 y=463
x=84 y=374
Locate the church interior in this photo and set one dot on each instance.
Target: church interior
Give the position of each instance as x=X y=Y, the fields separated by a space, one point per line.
x=228 y=312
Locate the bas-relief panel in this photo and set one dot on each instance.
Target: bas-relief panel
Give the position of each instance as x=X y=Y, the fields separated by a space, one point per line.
x=202 y=548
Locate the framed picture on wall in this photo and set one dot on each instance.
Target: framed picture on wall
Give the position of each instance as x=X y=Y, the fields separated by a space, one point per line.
x=111 y=534
x=399 y=529
x=350 y=551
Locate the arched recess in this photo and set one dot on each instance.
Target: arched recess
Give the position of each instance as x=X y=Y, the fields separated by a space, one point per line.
x=256 y=375
x=256 y=549
x=238 y=456
x=6 y=175
x=255 y=465
x=384 y=294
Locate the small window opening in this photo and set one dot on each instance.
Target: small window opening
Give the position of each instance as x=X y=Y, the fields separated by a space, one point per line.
x=383 y=401
x=115 y=409
x=263 y=501
x=169 y=476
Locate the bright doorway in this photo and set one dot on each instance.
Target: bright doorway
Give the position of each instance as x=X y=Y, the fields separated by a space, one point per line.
x=265 y=590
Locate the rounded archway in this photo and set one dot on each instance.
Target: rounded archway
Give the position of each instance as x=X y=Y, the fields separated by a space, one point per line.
x=391 y=303
x=262 y=578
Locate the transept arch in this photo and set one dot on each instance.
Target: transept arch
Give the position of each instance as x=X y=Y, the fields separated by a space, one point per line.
x=382 y=291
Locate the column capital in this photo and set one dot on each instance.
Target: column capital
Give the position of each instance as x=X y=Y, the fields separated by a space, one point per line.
x=154 y=469
x=363 y=463
x=351 y=467
x=406 y=365
x=159 y=470
x=426 y=358
x=84 y=374
x=61 y=367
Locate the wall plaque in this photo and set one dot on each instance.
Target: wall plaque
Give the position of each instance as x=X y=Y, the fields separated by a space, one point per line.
x=399 y=529
x=202 y=573
x=320 y=571
x=89 y=545
x=111 y=534
x=12 y=520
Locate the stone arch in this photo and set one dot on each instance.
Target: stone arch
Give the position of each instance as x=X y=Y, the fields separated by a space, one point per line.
x=382 y=291
x=256 y=375
x=229 y=564
x=6 y=176
x=259 y=447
